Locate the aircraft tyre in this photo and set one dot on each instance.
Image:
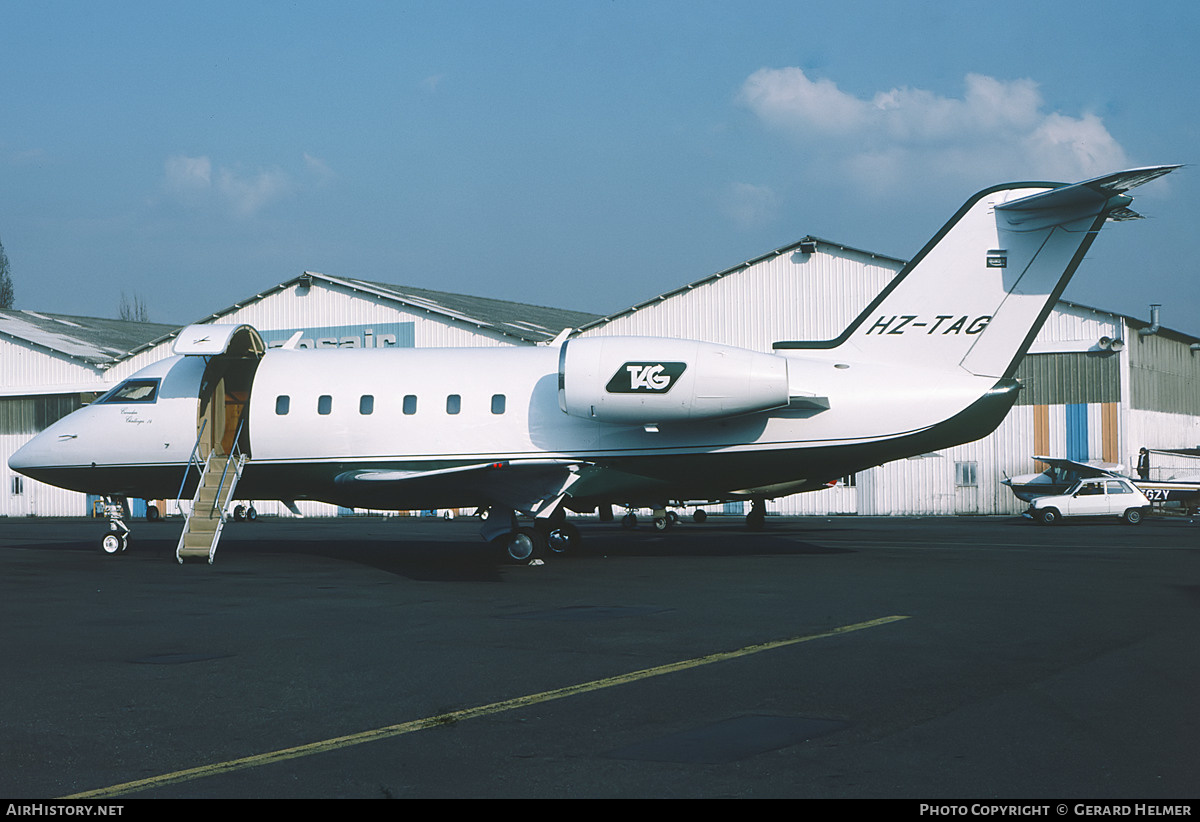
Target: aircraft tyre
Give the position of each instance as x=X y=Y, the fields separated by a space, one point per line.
x=251 y=514
x=1133 y=516
x=1048 y=516
x=700 y=515
x=629 y=521
x=756 y=519
x=563 y=538
x=521 y=545
x=114 y=542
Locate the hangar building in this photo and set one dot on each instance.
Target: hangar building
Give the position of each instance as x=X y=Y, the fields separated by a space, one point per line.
x=1098 y=385
x=51 y=364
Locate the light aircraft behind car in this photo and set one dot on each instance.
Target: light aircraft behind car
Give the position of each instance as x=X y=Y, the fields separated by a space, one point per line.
x=1061 y=474
x=537 y=431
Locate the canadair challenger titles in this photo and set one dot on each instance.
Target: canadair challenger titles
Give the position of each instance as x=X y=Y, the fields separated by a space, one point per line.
x=530 y=433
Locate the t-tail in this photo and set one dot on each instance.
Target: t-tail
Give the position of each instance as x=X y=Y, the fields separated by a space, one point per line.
x=978 y=292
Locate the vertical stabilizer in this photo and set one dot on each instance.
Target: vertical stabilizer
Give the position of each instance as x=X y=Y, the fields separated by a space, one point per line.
x=977 y=294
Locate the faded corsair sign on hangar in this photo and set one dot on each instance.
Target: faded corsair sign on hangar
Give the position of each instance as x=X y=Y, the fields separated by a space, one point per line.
x=372 y=335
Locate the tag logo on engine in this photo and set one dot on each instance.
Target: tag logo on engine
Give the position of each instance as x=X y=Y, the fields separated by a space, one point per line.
x=645 y=377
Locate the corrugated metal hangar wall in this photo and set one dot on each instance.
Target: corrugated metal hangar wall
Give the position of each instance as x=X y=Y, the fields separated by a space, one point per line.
x=1083 y=399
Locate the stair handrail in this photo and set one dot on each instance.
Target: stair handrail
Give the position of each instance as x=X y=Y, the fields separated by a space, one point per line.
x=194 y=458
x=235 y=454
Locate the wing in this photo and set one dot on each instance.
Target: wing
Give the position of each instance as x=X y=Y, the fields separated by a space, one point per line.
x=532 y=487
x=1181 y=452
x=1083 y=469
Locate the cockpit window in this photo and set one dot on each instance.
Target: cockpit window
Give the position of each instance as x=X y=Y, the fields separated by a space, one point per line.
x=132 y=391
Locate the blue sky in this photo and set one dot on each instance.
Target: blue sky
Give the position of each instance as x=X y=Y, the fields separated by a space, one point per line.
x=584 y=154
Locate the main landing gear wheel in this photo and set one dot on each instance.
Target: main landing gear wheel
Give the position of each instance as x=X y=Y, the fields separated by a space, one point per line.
x=242 y=513
x=563 y=538
x=521 y=545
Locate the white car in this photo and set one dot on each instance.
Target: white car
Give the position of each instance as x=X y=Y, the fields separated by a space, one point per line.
x=1097 y=497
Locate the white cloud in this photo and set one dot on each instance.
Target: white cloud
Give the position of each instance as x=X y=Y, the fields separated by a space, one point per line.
x=196 y=182
x=188 y=174
x=905 y=136
x=247 y=195
x=318 y=168
x=750 y=206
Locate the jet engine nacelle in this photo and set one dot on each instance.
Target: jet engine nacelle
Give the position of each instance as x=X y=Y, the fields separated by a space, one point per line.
x=648 y=380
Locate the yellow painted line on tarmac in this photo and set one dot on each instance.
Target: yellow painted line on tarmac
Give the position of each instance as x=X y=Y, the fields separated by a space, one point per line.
x=389 y=731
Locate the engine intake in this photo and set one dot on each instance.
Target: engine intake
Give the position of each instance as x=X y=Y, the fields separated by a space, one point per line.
x=647 y=380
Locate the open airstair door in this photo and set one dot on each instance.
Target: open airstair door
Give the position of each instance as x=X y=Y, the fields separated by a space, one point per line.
x=232 y=354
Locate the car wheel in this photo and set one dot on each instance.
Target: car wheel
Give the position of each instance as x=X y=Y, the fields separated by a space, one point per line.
x=1133 y=516
x=1048 y=516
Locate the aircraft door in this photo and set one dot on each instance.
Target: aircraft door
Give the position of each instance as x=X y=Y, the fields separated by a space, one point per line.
x=223 y=424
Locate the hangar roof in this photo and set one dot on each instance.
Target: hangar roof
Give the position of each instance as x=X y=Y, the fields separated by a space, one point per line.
x=531 y=323
x=93 y=340
x=806 y=245
x=528 y=323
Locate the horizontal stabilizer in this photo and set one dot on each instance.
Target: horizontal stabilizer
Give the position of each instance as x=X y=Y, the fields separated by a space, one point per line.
x=1067 y=203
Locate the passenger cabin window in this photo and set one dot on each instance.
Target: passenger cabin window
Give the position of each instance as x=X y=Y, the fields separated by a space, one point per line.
x=366 y=404
x=410 y=404
x=1118 y=487
x=145 y=391
x=324 y=404
x=282 y=403
x=453 y=404
x=498 y=403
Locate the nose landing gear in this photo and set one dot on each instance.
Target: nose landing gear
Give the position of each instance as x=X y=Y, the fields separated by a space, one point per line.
x=117 y=538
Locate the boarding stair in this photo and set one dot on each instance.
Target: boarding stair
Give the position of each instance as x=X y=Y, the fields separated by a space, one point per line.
x=219 y=477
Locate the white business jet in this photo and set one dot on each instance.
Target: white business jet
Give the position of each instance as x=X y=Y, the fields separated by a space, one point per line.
x=537 y=431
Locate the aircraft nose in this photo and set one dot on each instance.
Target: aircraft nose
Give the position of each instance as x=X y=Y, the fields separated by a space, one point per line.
x=35 y=454
x=26 y=456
